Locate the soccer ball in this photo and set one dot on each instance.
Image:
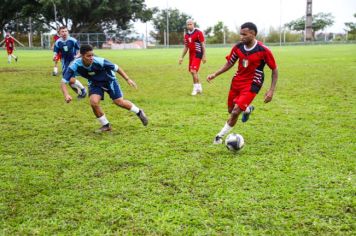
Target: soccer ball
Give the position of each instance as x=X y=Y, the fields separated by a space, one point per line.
x=234 y=142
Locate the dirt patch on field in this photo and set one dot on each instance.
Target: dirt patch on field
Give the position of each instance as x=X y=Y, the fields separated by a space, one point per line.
x=10 y=70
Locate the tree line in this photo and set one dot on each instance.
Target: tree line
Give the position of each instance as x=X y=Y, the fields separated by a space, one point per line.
x=112 y=16
x=80 y=15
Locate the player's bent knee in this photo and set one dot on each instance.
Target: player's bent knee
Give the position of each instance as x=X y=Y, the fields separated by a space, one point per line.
x=120 y=102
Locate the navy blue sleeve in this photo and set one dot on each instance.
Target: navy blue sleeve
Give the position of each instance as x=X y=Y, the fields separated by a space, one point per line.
x=108 y=65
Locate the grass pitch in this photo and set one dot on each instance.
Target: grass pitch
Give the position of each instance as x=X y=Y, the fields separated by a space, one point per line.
x=295 y=176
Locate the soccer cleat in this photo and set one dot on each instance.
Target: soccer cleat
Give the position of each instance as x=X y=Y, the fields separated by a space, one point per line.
x=16 y=58
x=218 y=140
x=194 y=92
x=54 y=73
x=82 y=94
x=246 y=115
x=141 y=114
x=104 y=128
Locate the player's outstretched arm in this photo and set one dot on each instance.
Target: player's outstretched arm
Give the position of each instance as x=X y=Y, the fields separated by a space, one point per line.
x=64 y=89
x=270 y=92
x=222 y=70
x=204 y=53
x=126 y=77
x=185 y=50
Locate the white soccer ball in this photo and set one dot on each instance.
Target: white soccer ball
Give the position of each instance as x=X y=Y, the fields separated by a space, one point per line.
x=234 y=142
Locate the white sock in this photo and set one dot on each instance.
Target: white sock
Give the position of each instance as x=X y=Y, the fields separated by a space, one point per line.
x=134 y=109
x=55 y=69
x=248 y=110
x=13 y=56
x=78 y=84
x=196 y=87
x=200 y=87
x=103 y=121
x=9 y=58
x=225 y=130
x=75 y=87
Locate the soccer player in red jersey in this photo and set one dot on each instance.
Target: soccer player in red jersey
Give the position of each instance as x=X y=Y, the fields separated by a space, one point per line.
x=194 y=42
x=58 y=56
x=252 y=56
x=10 y=47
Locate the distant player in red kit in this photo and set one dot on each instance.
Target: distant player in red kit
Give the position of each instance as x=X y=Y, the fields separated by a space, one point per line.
x=194 y=42
x=10 y=47
x=58 y=56
x=252 y=56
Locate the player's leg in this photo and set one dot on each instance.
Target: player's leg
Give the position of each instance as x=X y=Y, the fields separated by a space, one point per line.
x=76 y=85
x=239 y=101
x=96 y=94
x=245 y=101
x=55 y=67
x=9 y=52
x=246 y=114
x=233 y=93
x=13 y=56
x=194 y=65
x=116 y=95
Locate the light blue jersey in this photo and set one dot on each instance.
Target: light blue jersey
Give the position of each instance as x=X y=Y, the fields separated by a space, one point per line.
x=68 y=50
x=100 y=75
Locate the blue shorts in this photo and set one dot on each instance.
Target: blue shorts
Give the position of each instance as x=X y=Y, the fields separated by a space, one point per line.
x=65 y=66
x=111 y=87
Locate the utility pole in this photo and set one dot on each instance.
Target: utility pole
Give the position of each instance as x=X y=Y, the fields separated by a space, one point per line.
x=30 y=33
x=280 y=23
x=167 y=26
x=308 y=36
x=55 y=12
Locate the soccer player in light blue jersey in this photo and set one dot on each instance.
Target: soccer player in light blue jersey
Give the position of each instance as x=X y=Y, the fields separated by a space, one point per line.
x=100 y=74
x=68 y=47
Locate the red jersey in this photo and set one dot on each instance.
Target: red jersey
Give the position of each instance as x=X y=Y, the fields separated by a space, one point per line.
x=251 y=64
x=194 y=40
x=9 y=42
x=56 y=37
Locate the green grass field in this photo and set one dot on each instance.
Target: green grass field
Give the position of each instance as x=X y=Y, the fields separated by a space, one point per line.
x=295 y=176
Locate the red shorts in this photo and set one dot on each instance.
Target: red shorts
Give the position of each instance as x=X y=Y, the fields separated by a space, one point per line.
x=194 y=63
x=9 y=51
x=241 y=95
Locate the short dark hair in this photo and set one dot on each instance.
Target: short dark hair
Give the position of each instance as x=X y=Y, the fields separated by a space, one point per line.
x=249 y=25
x=62 y=27
x=85 y=48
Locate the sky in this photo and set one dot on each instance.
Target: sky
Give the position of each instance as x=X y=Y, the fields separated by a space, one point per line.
x=264 y=13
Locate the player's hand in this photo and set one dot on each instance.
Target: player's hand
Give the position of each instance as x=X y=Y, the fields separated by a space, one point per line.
x=68 y=98
x=269 y=96
x=204 y=60
x=210 y=77
x=132 y=83
x=180 y=61
x=54 y=58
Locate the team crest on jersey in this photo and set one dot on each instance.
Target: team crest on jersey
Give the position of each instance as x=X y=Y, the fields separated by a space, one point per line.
x=245 y=63
x=91 y=73
x=190 y=40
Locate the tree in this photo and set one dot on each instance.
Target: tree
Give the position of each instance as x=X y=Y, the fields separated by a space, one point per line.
x=11 y=10
x=320 y=22
x=177 y=25
x=94 y=15
x=216 y=34
x=351 y=29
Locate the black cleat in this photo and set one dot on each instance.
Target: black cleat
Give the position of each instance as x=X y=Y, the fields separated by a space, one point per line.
x=104 y=128
x=141 y=114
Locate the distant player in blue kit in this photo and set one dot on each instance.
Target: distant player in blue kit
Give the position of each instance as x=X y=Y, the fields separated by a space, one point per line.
x=68 y=48
x=100 y=74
